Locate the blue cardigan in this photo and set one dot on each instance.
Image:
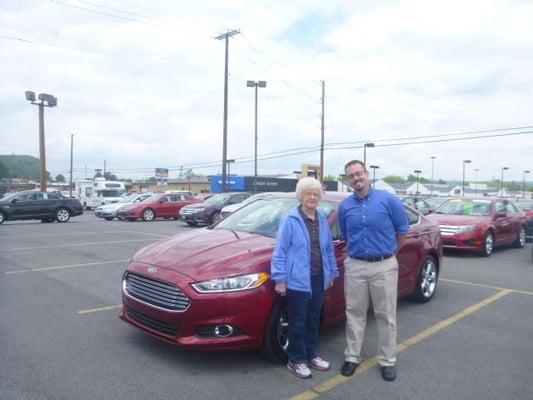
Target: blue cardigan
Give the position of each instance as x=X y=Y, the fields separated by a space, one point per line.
x=291 y=261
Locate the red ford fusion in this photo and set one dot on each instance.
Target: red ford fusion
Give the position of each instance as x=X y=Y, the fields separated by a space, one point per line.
x=480 y=224
x=166 y=205
x=209 y=289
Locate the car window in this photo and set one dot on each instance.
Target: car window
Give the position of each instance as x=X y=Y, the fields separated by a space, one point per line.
x=421 y=206
x=465 y=207
x=500 y=207
x=510 y=208
x=24 y=197
x=36 y=196
x=335 y=230
x=412 y=216
x=52 y=196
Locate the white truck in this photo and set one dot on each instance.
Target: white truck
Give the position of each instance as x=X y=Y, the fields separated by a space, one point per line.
x=94 y=193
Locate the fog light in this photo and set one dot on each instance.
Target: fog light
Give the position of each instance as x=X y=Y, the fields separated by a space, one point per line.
x=223 y=330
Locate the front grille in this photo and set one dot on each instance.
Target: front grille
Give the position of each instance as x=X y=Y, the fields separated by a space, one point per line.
x=152 y=323
x=188 y=211
x=448 y=230
x=156 y=293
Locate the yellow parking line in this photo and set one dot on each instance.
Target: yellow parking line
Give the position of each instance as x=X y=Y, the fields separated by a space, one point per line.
x=486 y=286
x=77 y=244
x=21 y=271
x=337 y=380
x=93 y=310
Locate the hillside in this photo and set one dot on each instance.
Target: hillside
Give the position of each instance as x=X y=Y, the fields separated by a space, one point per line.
x=19 y=166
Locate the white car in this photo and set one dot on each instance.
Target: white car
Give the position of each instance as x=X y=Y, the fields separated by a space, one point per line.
x=110 y=211
x=234 y=207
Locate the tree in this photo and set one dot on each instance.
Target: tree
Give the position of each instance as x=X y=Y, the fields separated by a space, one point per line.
x=441 y=181
x=110 y=176
x=394 y=179
x=60 y=178
x=4 y=172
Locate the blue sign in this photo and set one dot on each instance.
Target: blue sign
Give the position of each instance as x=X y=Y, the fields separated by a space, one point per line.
x=233 y=183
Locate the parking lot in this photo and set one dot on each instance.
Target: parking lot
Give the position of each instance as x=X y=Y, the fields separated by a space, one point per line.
x=60 y=336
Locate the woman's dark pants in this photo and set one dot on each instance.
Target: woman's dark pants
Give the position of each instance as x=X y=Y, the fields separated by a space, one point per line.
x=304 y=310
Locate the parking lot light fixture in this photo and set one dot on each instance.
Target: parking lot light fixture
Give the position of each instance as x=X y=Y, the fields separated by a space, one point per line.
x=501 y=181
x=43 y=100
x=526 y=171
x=464 y=162
x=255 y=84
x=417 y=171
x=364 y=151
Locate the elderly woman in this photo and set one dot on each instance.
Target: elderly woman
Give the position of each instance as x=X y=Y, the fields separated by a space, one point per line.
x=303 y=267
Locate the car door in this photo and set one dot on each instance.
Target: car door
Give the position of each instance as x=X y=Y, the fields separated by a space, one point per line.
x=49 y=204
x=165 y=206
x=20 y=206
x=502 y=222
x=516 y=219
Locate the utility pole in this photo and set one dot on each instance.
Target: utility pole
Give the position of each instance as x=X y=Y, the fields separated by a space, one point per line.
x=322 y=134
x=104 y=168
x=226 y=37
x=71 y=153
x=181 y=171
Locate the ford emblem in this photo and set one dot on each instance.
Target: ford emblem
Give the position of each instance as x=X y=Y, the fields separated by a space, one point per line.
x=152 y=270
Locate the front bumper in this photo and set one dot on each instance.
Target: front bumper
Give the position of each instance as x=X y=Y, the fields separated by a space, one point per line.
x=246 y=312
x=463 y=241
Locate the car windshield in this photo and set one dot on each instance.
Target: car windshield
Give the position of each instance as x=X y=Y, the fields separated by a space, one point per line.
x=152 y=198
x=525 y=205
x=9 y=196
x=465 y=207
x=264 y=215
x=218 y=199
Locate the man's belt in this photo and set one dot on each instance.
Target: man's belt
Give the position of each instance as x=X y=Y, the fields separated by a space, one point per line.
x=372 y=259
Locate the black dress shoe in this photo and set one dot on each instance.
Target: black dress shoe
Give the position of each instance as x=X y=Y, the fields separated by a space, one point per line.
x=388 y=373
x=348 y=368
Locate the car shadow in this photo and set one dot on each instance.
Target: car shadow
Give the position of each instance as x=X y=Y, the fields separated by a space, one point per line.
x=456 y=253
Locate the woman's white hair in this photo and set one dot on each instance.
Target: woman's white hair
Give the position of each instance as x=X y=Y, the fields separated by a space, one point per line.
x=307 y=184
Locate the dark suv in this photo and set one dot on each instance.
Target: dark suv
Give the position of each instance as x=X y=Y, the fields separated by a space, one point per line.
x=46 y=206
x=208 y=211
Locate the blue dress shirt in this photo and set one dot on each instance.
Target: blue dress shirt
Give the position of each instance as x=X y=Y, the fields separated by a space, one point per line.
x=370 y=224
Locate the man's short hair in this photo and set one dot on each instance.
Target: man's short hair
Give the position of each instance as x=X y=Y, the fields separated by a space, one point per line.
x=354 y=162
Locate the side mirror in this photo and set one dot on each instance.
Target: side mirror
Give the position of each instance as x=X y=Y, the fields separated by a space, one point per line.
x=501 y=214
x=14 y=201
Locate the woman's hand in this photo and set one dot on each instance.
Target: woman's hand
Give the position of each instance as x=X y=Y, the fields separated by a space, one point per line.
x=281 y=288
x=330 y=284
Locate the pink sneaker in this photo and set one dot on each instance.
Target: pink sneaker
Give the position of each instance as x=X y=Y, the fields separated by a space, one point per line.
x=319 y=364
x=301 y=370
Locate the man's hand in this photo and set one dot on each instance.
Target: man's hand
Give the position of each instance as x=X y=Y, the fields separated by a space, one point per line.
x=281 y=288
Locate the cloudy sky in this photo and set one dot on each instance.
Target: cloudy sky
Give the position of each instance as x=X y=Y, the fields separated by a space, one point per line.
x=140 y=84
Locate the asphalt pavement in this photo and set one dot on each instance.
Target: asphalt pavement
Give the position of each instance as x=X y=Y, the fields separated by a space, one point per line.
x=60 y=336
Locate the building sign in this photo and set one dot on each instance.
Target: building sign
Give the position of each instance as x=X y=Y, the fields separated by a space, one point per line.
x=233 y=183
x=260 y=184
x=161 y=175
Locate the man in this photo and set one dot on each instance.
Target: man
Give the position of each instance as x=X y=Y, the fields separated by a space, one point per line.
x=374 y=224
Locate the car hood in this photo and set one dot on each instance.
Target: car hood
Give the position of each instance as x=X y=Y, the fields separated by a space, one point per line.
x=208 y=253
x=232 y=208
x=457 y=220
x=112 y=206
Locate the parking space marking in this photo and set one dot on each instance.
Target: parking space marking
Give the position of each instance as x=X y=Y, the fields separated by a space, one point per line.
x=78 y=244
x=80 y=233
x=486 y=286
x=93 y=310
x=413 y=340
x=22 y=271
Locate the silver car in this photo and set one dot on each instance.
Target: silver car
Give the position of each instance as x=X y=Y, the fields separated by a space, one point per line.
x=110 y=211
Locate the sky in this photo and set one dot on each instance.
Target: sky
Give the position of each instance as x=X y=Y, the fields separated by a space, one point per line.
x=140 y=84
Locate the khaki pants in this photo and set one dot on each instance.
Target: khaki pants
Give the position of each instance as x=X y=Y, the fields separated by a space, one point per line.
x=377 y=281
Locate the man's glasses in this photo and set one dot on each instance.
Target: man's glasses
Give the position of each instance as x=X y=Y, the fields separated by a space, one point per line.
x=357 y=174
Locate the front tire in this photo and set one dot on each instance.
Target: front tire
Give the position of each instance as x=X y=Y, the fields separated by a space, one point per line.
x=62 y=215
x=2 y=217
x=488 y=244
x=276 y=339
x=148 y=215
x=426 y=283
x=109 y=218
x=520 y=241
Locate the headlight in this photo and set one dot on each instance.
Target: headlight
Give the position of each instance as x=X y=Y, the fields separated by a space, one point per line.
x=467 y=228
x=233 y=284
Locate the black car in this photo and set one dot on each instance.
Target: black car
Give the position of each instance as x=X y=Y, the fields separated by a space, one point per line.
x=46 y=206
x=208 y=211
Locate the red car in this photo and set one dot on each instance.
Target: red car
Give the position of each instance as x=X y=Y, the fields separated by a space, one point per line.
x=480 y=224
x=166 y=205
x=527 y=207
x=209 y=289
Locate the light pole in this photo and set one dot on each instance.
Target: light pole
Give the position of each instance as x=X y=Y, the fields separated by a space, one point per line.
x=501 y=181
x=417 y=171
x=364 y=151
x=254 y=84
x=464 y=162
x=374 y=167
x=475 y=187
x=44 y=100
x=431 y=187
x=526 y=171
x=229 y=162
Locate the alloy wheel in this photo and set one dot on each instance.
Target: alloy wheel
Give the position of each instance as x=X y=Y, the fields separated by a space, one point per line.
x=489 y=243
x=428 y=281
x=283 y=330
